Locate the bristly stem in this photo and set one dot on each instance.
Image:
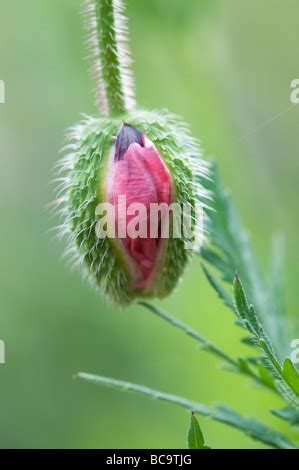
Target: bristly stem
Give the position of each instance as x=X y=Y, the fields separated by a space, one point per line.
x=207 y=345
x=109 y=40
x=252 y=428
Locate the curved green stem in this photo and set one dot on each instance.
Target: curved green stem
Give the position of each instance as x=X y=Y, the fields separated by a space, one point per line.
x=110 y=37
x=205 y=343
x=234 y=364
x=252 y=428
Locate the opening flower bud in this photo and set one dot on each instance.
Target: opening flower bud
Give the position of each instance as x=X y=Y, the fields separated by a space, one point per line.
x=132 y=174
x=138 y=178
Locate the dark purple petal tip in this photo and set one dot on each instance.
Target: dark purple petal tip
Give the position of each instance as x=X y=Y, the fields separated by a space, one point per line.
x=127 y=136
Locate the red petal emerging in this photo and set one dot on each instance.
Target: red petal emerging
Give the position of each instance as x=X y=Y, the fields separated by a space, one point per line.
x=139 y=174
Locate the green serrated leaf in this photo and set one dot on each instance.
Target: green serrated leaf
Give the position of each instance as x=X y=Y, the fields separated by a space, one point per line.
x=246 y=311
x=249 y=341
x=214 y=259
x=276 y=274
x=286 y=383
x=244 y=366
x=230 y=250
x=266 y=376
x=289 y=413
x=253 y=360
x=241 y=323
x=291 y=375
x=253 y=428
x=195 y=436
x=219 y=289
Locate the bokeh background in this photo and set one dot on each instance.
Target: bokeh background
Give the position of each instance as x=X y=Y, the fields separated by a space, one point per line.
x=226 y=66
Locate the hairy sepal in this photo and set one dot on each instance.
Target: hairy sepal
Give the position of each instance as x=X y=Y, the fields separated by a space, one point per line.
x=85 y=168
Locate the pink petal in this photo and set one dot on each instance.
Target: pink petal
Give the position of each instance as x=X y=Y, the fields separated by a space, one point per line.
x=140 y=175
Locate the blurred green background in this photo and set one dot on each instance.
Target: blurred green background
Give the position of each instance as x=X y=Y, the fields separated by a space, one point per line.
x=226 y=66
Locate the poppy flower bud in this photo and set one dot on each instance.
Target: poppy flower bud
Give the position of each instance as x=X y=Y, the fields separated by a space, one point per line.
x=127 y=173
x=137 y=174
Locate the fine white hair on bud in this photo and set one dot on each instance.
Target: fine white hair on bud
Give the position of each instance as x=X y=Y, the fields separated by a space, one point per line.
x=107 y=29
x=131 y=180
x=148 y=157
